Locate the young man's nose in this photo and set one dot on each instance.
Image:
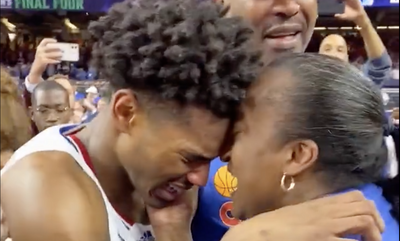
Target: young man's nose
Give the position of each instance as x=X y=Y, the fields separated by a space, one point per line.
x=199 y=175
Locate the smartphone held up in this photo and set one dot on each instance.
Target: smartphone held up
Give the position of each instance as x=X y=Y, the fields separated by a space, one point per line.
x=330 y=7
x=70 y=51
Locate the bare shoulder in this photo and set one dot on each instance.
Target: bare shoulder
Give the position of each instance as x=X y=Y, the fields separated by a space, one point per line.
x=46 y=196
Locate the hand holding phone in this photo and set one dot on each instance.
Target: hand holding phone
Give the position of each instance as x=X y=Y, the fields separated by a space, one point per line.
x=331 y=7
x=70 y=51
x=353 y=12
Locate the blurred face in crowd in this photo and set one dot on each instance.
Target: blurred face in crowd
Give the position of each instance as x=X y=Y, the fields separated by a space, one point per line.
x=78 y=112
x=101 y=104
x=334 y=45
x=91 y=96
x=395 y=116
x=51 y=108
x=282 y=25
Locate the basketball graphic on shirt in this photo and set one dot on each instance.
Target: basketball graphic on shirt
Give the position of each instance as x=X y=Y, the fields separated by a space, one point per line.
x=224 y=182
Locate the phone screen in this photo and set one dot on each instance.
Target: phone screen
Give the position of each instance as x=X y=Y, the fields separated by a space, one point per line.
x=70 y=51
x=330 y=7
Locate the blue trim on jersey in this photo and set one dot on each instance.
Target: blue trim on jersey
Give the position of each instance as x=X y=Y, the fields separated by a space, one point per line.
x=66 y=129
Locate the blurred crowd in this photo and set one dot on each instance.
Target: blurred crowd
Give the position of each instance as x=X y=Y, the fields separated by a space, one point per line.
x=18 y=60
x=357 y=54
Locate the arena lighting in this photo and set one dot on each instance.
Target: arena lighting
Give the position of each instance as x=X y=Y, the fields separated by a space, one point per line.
x=68 y=23
x=8 y=25
x=353 y=28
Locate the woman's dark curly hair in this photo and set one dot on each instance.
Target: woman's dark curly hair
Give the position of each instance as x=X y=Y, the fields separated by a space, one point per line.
x=186 y=51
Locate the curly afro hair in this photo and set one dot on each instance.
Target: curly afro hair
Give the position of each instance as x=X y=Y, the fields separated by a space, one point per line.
x=185 y=51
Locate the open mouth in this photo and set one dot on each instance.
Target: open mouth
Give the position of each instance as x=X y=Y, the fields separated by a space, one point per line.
x=169 y=192
x=283 y=40
x=281 y=35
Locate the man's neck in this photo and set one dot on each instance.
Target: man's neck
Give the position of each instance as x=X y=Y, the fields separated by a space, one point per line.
x=111 y=174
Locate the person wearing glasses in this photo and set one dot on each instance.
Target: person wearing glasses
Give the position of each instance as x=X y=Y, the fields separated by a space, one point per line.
x=50 y=105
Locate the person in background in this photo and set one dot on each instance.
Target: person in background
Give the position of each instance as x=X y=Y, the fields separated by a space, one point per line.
x=64 y=81
x=45 y=55
x=50 y=105
x=15 y=127
x=395 y=116
x=78 y=112
x=89 y=104
x=105 y=97
x=332 y=147
x=91 y=94
x=378 y=67
x=102 y=103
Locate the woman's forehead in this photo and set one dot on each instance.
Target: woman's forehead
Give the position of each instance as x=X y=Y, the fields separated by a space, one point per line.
x=272 y=84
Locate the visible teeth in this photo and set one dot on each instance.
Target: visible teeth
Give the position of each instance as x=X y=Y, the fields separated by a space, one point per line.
x=281 y=35
x=171 y=188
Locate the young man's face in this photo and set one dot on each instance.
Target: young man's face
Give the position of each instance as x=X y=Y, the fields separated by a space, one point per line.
x=51 y=108
x=164 y=151
x=281 y=25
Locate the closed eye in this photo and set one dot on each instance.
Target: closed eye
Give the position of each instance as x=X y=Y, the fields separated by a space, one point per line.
x=193 y=157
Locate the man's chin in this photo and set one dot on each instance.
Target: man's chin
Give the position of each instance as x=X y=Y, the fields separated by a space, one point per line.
x=155 y=202
x=271 y=54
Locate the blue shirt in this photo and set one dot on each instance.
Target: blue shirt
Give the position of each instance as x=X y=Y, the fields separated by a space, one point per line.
x=374 y=193
x=379 y=69
x=213 y=217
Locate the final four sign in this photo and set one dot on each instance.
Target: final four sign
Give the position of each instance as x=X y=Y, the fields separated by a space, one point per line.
x=66 y=5
x=71 y=5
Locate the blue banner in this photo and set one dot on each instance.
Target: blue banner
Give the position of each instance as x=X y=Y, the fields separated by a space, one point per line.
x=380 y=3
x=66 y=5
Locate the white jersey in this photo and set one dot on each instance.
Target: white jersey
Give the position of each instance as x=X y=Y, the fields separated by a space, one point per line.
x=52 y=139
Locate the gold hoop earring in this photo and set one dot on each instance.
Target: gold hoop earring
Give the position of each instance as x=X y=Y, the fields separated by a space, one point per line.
x=283 y=183
x=131 y=119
